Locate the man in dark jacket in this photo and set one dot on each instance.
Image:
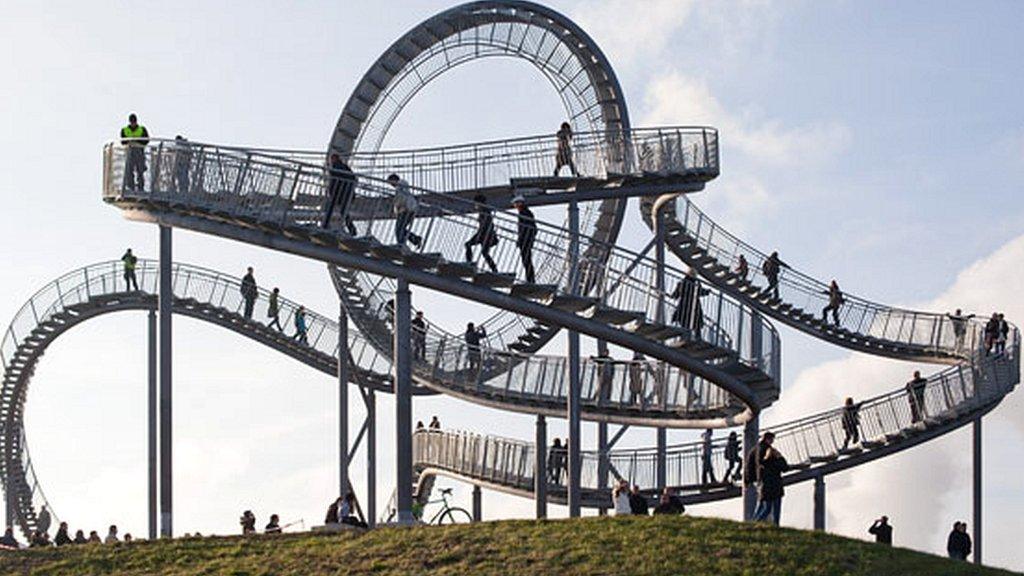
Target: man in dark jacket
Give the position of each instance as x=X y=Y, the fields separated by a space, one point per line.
x=688 y=313
x=526 y=234
x=915 y=395
x=249 y=292
x=771 y=465
x=771 y=268
x=882 y=531
x=473 y=338
x=341 y=181
x=637 y=502
x=485 y=234
x=669 y=504
x=732 y=456
x=959 y=543
x=851 y=422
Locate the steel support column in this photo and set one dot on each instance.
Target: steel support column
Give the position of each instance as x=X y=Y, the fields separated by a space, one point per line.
x=343 y=481
x=977 y=491
x=151 y=427
x=819 y=503
x=602 y=442
x=371 y=457
x=165 y=305
x=540 y=468
x=478 y=504
x=750 y=437
x=403 y=403
x=573 y=487
x=659 y=256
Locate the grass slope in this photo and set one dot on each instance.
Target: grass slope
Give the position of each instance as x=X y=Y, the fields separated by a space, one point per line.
x=640 y=546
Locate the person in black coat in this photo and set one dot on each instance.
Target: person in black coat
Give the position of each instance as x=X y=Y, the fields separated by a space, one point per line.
x=485 y=234
x=770 y=467
x=669 y=504
x=637 y=502
x=882 y=531
x=249 y=292
x=526 y=234
x=688 y=313
x=851 y=422
x=958 y=545
x=341 y=181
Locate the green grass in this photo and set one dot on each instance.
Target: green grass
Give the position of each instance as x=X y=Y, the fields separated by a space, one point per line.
x=640 y=546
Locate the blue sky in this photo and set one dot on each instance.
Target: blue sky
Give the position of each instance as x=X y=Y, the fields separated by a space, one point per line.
x=879 y=143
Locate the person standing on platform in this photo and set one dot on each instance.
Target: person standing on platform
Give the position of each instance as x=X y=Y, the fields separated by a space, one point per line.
x=473 y=338
x=130 y=261
x=135 y=138
x=882 y=531
x=915 y=395
x=419 y=336
x=564 y=154
x=182 y=164
x=959 y=322
x=485 y=234
x=249 y=293
x=851 y=422
x=405 y=208
x=341 y=182
x=526 y=234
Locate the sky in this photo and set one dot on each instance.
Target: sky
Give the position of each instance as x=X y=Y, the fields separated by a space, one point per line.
x=878 y=143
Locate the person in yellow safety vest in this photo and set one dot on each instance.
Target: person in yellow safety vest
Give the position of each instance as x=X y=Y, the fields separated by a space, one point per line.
x=135 y=137
x=130 y=260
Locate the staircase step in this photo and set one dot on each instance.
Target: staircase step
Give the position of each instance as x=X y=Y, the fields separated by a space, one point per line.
x=456 y=269
x=572 y=303
x=494 y=279
x=615 y=316
x=534 y=291
x=426 y=261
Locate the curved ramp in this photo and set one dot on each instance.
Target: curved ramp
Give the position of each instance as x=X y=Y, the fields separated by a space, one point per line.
x=278 y=202
x=100 y=289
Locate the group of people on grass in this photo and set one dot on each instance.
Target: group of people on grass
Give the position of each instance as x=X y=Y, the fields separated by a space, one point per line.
x=40 y=537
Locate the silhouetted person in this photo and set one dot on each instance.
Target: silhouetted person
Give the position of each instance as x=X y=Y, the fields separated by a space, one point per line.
x=405 y=207
x=733 y=457
x=473 y=337
x=851 y=422
x=636 y=379
x=419 y=336
x=43 y=520
x=134 y=137
x=526 y=234
x=111 y=535
x=39 y=539
x=835 y=301
x=958 y=545
x=341 y=181
x=915 y=395
x=485 y=234
x=991 y=332
x=882 y=531
x=249 y=292
x=348 y=511
x=80 y=538
x=689 y=314
x=274 y=310
x=274 y=526
x=605 y=366
x=770 y=467
x=8 y=540
x=771 y=268
x=419 y=425
x=742 y=268
x=1002 y=334
x=435 y=424
x=564 y=155
x=637 y=502
x=707 y=468
x=669 y=503
x=555 y=462
x=959 y=322
x=332 y=513
x=301 y=329
x=248 y=522
x=130 y=261
x=62 y=538
x=182 y=163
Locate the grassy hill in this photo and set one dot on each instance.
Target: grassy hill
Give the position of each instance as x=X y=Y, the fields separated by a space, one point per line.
x=640 y=546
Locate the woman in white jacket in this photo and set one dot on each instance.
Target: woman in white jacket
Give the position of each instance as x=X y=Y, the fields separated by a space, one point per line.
x=620 y=498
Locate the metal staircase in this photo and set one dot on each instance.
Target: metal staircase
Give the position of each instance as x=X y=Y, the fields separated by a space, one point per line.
x=100 y=289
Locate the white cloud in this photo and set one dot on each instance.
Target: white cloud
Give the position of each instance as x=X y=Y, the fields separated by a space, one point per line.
x=643 y=34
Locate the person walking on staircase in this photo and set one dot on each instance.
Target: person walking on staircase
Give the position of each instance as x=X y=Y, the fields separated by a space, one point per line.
x=405 y=206
x=707 y=473
x=526 y=234
x=274 y=310
x=130 y=261
x=835 y=301
x=742 y=268
x=419 y=336
x=300 y=325
x=564 y=155
x=485 y=234
x=732 y=456
x=135 y=138
x=959 y=322
x=851 y=422
x=771 y=268
x=689 y=313
x=915 y=395
x=249 y=293
x=341 y=181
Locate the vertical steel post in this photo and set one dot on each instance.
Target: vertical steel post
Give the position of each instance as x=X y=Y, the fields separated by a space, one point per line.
x=478 y=504
x=371 y=457
x=659 y=255
x=819 y=502
x=574 y=371
x=165 y=307
x=602 y=442
x=750 y=434
x=343 y=487
x=540 y=468
x=977 y=491
x=151 y=428
x=403 y=402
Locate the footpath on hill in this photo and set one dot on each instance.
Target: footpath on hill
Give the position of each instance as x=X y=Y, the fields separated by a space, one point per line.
x=606 y=546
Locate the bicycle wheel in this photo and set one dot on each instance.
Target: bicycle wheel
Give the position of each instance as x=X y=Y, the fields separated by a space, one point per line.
x=455 y=516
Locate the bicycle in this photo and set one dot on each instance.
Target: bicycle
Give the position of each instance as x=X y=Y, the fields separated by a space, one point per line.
x=448 y=514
